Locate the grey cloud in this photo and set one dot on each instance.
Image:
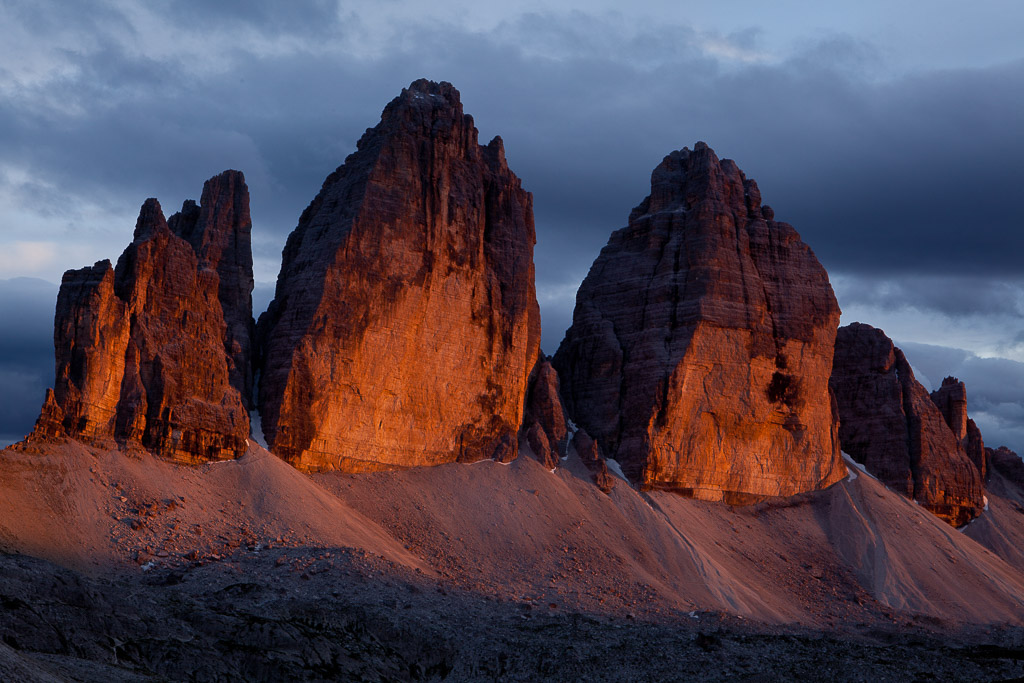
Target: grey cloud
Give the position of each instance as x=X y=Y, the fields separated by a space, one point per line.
x=268 y=16
x=878 y=176
x=951 y=295
x=995 y=388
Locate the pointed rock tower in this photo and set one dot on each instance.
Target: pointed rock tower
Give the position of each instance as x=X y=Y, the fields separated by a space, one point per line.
x=405 y=322
x=889 y=423
x=701 y=343
x=951 y=400
x=157 y=351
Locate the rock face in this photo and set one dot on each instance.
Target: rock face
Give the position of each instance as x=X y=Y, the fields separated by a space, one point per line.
x=220 y=230
x=546 y=415
x=589 y=452
x=1007 y=463
x=951 y=400
x=702 y=340
x=157 y=351
x=889 y=423
x=405 y=323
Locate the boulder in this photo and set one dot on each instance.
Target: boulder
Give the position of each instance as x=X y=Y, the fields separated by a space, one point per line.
x=702 y=342
x=156 y=351
x=889 y=423
x=405 y=323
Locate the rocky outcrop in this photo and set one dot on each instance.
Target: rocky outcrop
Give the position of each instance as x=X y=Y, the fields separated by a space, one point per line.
x=405 y=323
x=589 y=452
x=702 y=341
x=545 y=416
x=1007 y=463
x=951 y=400
x=219 y=230
x=888 y=422
x=157 y=351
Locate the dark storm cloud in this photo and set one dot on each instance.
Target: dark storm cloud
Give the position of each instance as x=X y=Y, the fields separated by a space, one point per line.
x=875 y=176
x=26 y=353
x=901 y=178
x=952 y=296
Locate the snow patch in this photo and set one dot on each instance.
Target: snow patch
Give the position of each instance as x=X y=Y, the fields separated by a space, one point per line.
x=496 y=462
x=569 y=437
x=616 y=469
x=149 y=565
x=851 y=462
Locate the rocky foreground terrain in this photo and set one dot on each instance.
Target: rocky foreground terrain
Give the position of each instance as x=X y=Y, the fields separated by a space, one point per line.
x=292 y=614
x=251 y=570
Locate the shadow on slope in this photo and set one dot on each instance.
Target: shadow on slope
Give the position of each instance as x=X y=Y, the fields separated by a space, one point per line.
x=851 y=555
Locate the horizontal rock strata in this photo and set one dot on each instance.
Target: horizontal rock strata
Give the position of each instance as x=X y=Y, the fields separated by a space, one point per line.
x=405 y=323
x=157 y=350
x=702 y=340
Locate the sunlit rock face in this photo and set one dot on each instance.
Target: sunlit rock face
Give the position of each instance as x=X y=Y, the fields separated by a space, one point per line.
x=405 y=322
x=701 y=343
x=951 y=400
x=157 y=350
x=889 y=423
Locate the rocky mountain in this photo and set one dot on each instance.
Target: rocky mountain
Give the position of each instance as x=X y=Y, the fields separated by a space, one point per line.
x=702 y=342
x=405 y=323
x=951 y=400
x=1007 y=463
x=890 y=424
x=157 y=350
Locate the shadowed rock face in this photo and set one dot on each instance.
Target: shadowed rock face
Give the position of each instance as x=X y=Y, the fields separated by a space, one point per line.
x=544 y=420
x=702 y=341
x=951 y=400
x=1007 y=463
x=157 y=351
x=889 y=423
x=405 y=322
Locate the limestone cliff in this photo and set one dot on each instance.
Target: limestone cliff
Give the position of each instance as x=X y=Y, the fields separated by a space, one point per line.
x=405 y=322
x=889 y=423
x=156 y=351
x=702 y=341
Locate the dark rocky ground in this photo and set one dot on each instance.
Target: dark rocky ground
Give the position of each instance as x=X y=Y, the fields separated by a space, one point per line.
x=301 y=614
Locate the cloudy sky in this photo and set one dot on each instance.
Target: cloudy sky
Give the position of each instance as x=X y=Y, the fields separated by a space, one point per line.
x=889 y=134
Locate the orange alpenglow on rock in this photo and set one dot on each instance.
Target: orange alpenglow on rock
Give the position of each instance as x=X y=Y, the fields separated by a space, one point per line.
x=405 y=322
x=157 y=351
x=889 y=423
x=702 y=340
